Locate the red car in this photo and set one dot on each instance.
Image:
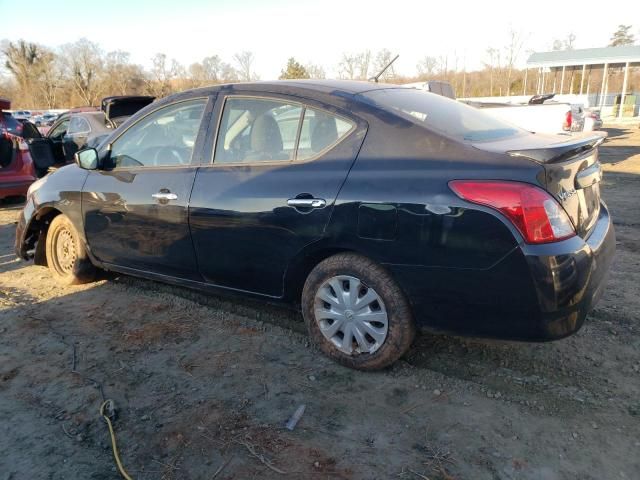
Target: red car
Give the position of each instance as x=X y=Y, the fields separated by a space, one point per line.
x=17 y=172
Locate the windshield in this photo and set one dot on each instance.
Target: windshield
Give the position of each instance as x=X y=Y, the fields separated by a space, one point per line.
x=443 y=115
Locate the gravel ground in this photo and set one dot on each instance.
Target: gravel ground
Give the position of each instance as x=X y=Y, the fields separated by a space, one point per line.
x=203 y=385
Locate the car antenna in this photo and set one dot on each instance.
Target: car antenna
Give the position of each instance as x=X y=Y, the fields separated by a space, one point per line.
x=375 y=79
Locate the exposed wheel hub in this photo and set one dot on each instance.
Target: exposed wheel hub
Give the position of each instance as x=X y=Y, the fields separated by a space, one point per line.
x=65 y=251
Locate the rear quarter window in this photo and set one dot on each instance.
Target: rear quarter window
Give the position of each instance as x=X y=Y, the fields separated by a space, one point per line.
x=442 y=115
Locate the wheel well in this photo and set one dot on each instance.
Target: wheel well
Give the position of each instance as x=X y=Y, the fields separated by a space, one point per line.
x=38 y=228
x=297 y=274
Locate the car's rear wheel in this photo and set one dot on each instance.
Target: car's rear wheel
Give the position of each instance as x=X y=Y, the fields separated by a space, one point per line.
x=66 y=255
x=356 y=313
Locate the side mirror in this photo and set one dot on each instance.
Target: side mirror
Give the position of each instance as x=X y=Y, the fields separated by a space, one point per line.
x=87 y=158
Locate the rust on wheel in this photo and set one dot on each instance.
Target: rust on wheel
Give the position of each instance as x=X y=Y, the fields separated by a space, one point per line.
x=65 y=251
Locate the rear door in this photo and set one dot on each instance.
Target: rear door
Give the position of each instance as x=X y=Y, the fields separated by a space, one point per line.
x=277 y=169
x=48 y=151
x=135 y=208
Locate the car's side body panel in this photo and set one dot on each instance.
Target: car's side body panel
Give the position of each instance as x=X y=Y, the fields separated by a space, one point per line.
x=125 y=225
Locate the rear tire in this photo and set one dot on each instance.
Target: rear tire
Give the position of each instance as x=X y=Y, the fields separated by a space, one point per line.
x=66 y=255
x=356 y=313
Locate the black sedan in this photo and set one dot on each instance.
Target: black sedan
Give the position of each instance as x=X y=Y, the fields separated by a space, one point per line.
x=378 y=209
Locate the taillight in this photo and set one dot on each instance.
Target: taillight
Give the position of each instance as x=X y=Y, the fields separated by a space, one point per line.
x=568 y=120
x=535 y=213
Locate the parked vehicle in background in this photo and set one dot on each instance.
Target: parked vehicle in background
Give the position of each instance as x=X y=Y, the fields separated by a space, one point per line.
x=80 y=127
x=434 y=86
x=22 y=114
x=545 y=117
x=391 y=209
x=592 y=120
x=541 y=114
x=46 y=120
x=16 y=169
x=8 y=123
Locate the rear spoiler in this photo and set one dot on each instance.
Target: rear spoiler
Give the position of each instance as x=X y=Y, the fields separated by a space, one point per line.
x=124 y=106
x=540 y=99
x=558 y=152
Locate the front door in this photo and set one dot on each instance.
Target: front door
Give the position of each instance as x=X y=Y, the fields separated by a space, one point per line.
x=135 y=208
x=277 y=169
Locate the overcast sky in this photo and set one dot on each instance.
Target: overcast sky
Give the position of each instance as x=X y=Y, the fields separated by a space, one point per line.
x=314 y=31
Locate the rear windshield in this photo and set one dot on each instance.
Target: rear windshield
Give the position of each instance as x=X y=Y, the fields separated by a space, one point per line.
x=443 y=115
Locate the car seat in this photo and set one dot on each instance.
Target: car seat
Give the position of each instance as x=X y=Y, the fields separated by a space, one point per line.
x=325 y=133
x=266 y=140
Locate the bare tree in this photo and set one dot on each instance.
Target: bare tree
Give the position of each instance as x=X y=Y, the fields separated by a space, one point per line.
x=245 y=61
x=566 y=44
x=443 y=61
x=164 y=76
x=427 y=67
x=210 y=71
x=383 y=57
x=50 y=79
x=24 y=61
x=315 y=71
x=570 y=41
x=120 y=76
x=85 y=66
x=494 y=61
x=354 y=66
x=347 y=68
x=512 y=52
x=363 y=60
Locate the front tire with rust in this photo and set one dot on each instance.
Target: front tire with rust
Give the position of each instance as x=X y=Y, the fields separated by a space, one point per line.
x=356 y=313
x=66 y=255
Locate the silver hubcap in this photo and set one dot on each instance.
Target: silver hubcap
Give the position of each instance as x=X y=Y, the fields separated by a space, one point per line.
x=351 y=315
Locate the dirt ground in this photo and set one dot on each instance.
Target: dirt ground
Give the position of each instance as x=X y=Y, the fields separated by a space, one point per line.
x=203 y=385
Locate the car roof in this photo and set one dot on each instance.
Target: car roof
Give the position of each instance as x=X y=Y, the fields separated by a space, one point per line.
x=348 y=88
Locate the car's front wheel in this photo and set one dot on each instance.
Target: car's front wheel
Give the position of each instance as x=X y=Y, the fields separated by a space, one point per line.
x=356 y=313
x=66 y=256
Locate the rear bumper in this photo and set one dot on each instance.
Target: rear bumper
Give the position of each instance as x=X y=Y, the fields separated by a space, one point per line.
x=535 y=293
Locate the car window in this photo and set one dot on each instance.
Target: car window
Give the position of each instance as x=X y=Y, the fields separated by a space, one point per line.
x=263 y=130
x=78 y=125
x=320 y=130
x=165 y=137
x=443 y=115
x=59 y=130
x=257 y=130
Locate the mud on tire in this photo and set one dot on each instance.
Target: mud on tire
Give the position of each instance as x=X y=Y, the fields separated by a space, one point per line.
x=400 y=327
x=66 y=255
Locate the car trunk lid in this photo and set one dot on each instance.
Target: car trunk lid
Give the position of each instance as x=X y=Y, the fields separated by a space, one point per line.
x=117 y=108
x=572 y=172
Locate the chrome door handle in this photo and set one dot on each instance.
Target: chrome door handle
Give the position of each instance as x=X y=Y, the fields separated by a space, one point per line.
x=306 y=202
x=165 y=196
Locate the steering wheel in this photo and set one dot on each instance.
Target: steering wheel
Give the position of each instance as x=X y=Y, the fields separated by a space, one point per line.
x=174 y=154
